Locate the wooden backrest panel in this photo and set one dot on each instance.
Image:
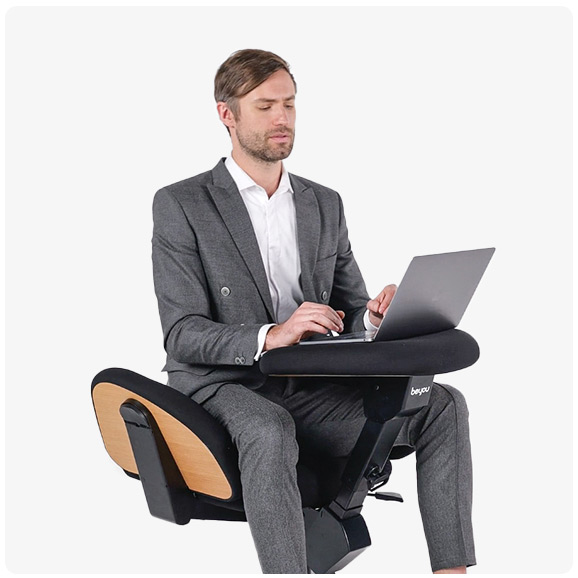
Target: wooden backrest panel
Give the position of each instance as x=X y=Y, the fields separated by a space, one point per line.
x=197 y=464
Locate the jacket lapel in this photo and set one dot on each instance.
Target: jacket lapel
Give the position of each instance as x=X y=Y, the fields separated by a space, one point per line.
x=235 y=216
x=308 y=231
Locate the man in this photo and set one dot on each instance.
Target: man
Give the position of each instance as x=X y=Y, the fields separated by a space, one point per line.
x=249 y=258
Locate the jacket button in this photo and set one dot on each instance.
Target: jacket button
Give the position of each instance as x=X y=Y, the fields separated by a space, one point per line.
x=225 y=291
x=240 y=360
x=324 y=296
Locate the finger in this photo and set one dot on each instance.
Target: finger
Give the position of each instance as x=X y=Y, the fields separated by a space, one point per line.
x=386 y=293
x=378 y=308
x=385 y=298
x=330 y=320
x=391 y=289
x=384 y=304
x=313 y=327
x=377 y=301
x=320 y=311
x=319 y=318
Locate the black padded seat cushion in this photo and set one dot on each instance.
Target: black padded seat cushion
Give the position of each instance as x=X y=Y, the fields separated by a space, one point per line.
x=318 y=479
x=424 y=355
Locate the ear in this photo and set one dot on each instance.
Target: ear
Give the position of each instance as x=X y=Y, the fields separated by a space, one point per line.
x=226 y=114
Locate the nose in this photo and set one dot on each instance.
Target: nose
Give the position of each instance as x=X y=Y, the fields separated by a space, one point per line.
x=281 y=116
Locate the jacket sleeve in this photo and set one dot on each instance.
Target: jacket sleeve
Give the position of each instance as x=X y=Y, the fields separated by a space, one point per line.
x=190 y=334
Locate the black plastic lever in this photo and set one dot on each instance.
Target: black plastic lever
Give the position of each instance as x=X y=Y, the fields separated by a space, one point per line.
x=387 y=496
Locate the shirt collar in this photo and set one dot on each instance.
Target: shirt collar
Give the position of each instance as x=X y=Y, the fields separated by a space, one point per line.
x=244 y=181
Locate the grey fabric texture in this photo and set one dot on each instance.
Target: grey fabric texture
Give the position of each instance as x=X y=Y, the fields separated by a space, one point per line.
x=210 y=282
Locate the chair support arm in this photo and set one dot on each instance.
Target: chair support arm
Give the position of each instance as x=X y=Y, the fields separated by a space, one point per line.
x=164 y=487
x=388 y=401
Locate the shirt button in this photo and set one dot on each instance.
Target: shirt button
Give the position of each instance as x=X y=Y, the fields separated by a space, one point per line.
x=324 y=296
x=225 y=291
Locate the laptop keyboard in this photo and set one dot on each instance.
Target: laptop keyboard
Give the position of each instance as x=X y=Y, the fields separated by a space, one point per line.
x=366 y=334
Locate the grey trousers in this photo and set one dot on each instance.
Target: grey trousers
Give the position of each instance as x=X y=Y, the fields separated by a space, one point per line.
x=268 y=424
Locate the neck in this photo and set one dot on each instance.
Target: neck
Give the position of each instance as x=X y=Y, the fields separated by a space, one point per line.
x=266 y=175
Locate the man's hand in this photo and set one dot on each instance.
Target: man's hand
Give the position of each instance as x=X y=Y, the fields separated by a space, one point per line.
x=308 y=318
x=378 y=306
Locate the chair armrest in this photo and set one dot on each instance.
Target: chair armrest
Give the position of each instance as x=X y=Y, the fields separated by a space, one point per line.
x=432 y=354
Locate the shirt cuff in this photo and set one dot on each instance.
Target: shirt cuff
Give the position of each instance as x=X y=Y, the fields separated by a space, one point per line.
x=367 y=323
x=261 y=336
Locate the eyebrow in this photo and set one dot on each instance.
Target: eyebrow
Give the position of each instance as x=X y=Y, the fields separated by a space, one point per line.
x=274 y=99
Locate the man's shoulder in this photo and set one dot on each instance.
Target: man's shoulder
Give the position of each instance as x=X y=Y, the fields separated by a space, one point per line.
x=309 y=184
x=199 y=184
x=187 y=186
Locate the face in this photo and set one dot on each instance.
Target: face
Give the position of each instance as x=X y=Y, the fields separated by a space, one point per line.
x=264 y=127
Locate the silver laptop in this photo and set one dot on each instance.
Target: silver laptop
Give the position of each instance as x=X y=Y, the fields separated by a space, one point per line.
x=432 y=296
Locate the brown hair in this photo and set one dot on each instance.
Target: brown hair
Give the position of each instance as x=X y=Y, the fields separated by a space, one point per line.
x=244 y=71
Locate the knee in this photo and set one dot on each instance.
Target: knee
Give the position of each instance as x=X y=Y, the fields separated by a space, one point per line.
x=270 y=432
x=451 y=401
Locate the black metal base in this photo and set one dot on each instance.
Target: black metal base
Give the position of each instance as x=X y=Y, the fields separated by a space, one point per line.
x=332 y=543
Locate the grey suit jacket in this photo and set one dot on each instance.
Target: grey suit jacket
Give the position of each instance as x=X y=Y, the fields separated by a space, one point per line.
x=211 y=284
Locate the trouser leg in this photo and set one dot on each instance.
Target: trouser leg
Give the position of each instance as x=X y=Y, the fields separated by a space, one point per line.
x=264 y=434
x=439 y=433
x=330 y=418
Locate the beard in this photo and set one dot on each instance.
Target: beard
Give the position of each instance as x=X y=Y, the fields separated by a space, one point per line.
x=261 y=148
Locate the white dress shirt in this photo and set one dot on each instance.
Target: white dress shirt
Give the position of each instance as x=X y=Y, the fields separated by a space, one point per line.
x=275 y=225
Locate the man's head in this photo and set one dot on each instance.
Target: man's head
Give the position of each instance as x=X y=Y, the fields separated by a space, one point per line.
x=244 y=71
x=255 y=94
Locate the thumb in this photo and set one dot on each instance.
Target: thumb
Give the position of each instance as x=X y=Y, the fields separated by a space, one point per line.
x=373 y=306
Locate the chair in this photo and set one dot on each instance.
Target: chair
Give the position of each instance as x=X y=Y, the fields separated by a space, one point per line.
x=187 y=463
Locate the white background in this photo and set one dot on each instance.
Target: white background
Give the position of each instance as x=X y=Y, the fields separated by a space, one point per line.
x=442 y=128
